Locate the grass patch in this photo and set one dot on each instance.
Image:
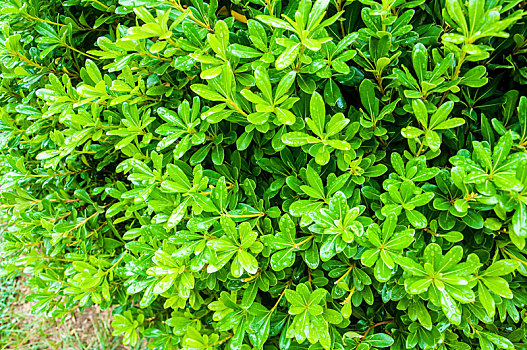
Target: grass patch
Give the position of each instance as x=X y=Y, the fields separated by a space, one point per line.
x=19 y=329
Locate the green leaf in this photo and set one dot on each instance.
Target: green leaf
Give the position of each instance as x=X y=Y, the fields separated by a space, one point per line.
x=206 y=92
x=264 y=84
x=248 y=262
x=440 y=115
x=244 y=141
x=93 y=71
x=499 y=286
x=455 y=11
x=282 y=259
x=285 y=117
x=204 y=202
x=317 y=12
x=336 y=124
x=502 y=149
x=420 y=61
x=297 y=139
x=500 y=341
x=486 y=299
x=450 y=124
x=258 y=118
x=331 y=92
x=379 y=340
x=339 y=144
x=433 y=140
x=284 y=85
x=501 y=268
x=420 y=112
x=419 y=286
x=368 y=99
x=287 y=57
x=411 y=132
x=317 y=109
x=179 y=177
x=242 y=51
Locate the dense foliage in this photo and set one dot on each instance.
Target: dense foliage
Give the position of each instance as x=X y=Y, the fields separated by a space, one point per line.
x=270 y=174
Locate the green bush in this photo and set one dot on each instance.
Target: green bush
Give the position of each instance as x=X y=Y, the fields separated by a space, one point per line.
x=270 y=174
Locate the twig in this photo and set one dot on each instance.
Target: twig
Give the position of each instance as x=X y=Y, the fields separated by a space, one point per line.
x=373 y=326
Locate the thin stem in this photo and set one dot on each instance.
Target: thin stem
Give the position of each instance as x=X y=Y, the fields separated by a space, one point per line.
x=280 y=297
x=237 y=108
x=458 y=67
x=297 y=246
x=371 y=327
x=228 y=187
x=44 y=20
x=180 y=8
x=344 y=275
x=248 y=279
x=221 y=341
x=299 y=63
x=62 y=25
x=54 y=258
x=456 y=74
x=88 y=236
x=348 y=298
x=269 y=7
x=100 y=3
x=234 y=216
x=205 y=314
x=514 y=257
x=36 y=202
x=339 y=9
x=61 y=174
x=379 y=82
x=27 y=60
x=421 y=147
x=60 y=217
x=82 y=53
x=146 y=53
x=83 y=222
x=114 y=265
x=172 y=42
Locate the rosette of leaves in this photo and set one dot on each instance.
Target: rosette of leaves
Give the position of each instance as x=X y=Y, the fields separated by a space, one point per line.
x=326 y=131
x=406 y=197
x=385 y=246
x=310 y=319
x=442 y=278
x=337 y=226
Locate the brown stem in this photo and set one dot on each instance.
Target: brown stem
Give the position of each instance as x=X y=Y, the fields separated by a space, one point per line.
x=371 y=327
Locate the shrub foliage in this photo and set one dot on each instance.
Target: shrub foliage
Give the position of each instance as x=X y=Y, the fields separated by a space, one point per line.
x=270 y=174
